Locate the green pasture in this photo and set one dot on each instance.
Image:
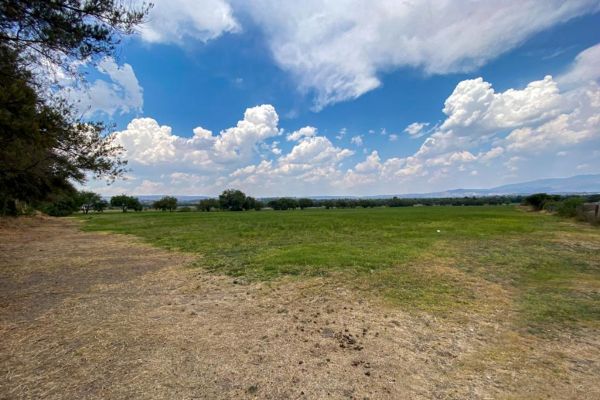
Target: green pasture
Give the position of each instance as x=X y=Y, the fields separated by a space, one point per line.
x=429 y=258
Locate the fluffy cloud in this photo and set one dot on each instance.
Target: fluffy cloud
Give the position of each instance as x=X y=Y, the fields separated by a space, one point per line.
x=371 y=164
x=119 y=93
x=580 y=125
x=357 y=140
x=416 y=129
x=174 y=21
x=584 y=69
x=307 y=131
x=338 y=49
x=475 y=106
x=310 y=167
x=488 y=138
x=259 y=123
x=314 y=151
x=148 y=143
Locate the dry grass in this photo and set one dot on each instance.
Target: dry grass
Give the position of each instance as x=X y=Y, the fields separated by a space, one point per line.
x=89 y=315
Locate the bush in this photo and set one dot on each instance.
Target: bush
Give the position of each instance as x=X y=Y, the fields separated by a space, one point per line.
x=538 y=200
x=551 y=205
x=61 y=205
x=184 y=209
x=569 y=206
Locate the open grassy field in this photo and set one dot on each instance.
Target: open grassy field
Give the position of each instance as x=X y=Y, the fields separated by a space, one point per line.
x=501 y=303
x=543 y=270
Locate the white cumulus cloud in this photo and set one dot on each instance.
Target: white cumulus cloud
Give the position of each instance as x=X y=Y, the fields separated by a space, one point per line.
x=148 y=143
x=119 y=92
x=357 y=140
x=584 y=69
x=175 y=21
x=416 y=129
x=337 y=49
x=488 y=138
x=307 y=131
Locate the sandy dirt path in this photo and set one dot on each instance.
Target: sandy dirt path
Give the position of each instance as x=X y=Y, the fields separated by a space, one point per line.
x=99 y=316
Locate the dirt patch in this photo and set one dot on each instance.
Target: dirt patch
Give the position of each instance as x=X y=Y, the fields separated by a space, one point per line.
x=89 y=316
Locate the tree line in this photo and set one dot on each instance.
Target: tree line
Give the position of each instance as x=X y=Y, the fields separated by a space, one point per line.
x=236 y=200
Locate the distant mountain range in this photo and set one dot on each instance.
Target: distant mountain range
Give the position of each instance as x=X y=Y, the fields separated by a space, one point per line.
x=580 y=184
x=576 y=184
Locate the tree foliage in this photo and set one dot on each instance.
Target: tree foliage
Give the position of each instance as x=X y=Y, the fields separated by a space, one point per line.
x=125 y=203
x=305 y=203
x=166 y=203
x=87 y=200
x=100 y=206
x=207 y=204
x=569 y=206
x=232 y=200
x=44 y=147
x=59 y=31
x=283 y=203
x=537 y=201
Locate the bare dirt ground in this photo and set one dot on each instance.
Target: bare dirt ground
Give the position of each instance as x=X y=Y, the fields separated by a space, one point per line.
x=98 y=316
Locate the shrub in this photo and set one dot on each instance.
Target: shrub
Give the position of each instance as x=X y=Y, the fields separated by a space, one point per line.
x=568 y=207
x=61 y=205
x=537 y=201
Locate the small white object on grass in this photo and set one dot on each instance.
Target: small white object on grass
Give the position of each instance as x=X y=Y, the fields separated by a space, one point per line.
x=438 y=231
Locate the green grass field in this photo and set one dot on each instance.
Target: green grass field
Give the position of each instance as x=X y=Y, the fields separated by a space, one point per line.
x=546 y=269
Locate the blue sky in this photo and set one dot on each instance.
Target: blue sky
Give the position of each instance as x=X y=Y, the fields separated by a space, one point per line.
x=353 y=76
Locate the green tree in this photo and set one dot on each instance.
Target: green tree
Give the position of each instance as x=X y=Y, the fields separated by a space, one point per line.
x=61 y=31
x=252 y=204
x=126 y=202
x=258 y=205
x=42 y=149
x=207 y=204
x=305 y=203
x=232 y=200
x=135 y=204
x=283 y=203
x=100 y=206
x=165 y=203
x=88 y=200
x=44 y=146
